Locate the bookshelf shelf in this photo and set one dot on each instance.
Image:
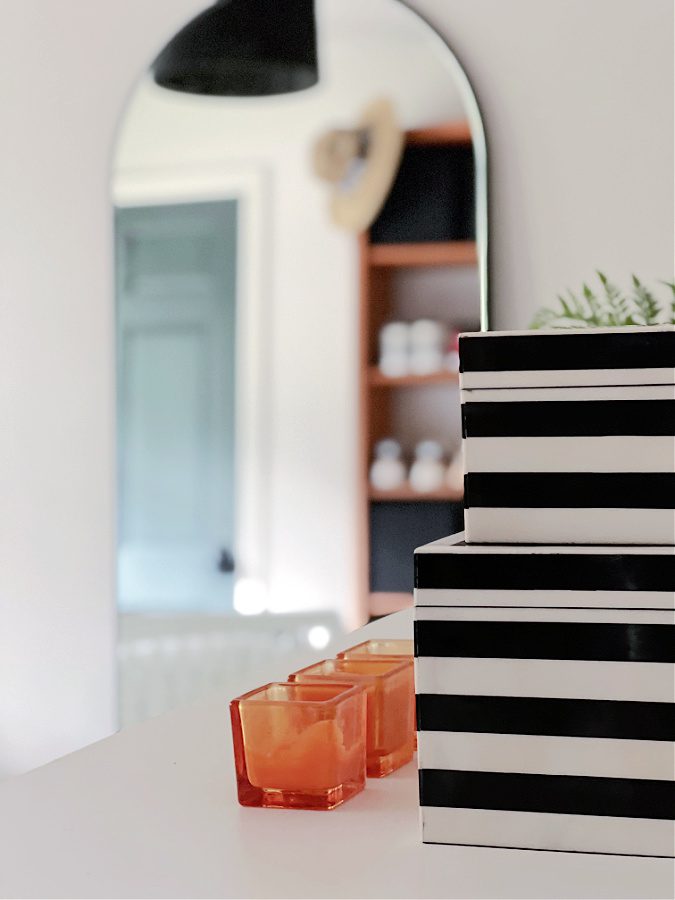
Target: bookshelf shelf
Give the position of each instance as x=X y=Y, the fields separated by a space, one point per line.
x=388 y=520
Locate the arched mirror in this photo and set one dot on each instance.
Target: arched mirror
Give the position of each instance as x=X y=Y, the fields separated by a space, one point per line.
x=298 y=242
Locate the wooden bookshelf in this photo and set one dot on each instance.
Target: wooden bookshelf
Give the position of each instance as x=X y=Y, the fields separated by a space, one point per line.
x=380 y=265
x=377 y=379
x=406 y=494
x=433 y=253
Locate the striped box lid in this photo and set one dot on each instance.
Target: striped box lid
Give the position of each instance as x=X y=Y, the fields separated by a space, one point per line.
x=450 y=572
x=573 y=357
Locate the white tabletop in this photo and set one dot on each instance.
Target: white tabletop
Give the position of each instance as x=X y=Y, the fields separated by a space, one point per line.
x=152 y=812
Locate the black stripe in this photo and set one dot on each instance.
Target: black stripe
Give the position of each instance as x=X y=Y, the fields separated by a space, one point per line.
x=425 y=840
x=619 y=350
x=622 y=490
x=612 y=642
x=546 y=571
x=565 y=418
x=570 y=794
x=618 y=719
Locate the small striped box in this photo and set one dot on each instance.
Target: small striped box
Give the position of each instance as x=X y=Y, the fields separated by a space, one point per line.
x=569 y=437
x=545 y=684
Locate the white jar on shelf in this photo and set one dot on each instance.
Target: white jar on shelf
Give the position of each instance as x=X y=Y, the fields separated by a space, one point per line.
x=395 y=349
x=427 y=473
x=387 y=471
x=427 y=346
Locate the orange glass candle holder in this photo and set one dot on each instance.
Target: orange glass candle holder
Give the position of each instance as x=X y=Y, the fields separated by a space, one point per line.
x=380 y=647
x=387 y=647
x=389 y=692
x=299 y=746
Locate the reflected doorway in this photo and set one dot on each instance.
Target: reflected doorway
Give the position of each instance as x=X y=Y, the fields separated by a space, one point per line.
x=176 y=325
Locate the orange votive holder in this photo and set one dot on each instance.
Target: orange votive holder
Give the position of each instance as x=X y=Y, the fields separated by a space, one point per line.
x=388 y=647
x=380 y=647
x=389 y=693
x=300 y=746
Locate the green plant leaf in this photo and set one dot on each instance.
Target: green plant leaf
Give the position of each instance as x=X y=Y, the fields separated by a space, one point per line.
x=566 y=308
x=671 y=285
x=617 y=305
x=543 y=318
x=610 y=307
x=594 y=306
x=647 y=305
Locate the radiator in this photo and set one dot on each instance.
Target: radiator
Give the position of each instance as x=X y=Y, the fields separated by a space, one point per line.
x=169 y=661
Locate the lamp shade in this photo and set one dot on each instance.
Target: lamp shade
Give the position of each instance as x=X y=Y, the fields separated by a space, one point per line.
x=243 y=48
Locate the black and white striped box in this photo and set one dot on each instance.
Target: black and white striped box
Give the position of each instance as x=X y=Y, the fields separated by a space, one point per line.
x=569 y=437
x=545 y=683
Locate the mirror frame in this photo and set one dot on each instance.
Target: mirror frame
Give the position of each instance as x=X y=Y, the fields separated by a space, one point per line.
x=480 y=158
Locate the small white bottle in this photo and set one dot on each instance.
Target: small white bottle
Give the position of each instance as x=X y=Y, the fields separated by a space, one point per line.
x=387 y=471
x=427 y=345
x=427 y=472
x=395 y=349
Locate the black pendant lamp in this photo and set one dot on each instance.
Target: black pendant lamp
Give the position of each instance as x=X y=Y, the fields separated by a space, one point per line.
x=243 y=48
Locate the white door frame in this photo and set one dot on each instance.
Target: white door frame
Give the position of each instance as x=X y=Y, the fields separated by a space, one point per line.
x=253 y=415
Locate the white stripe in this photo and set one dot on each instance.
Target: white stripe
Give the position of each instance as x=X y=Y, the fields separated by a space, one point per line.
x=546 y=755
x=624 y=453
x=473 y=614
x=454 y=543
x=513 y=598
x=548 y=831
x=577 y=679
x=532 y=378
x=570 y=394
x=540 y=333
x=569 y=526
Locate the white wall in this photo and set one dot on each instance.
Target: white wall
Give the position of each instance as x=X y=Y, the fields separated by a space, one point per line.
x=68 y=68
x=577 y=98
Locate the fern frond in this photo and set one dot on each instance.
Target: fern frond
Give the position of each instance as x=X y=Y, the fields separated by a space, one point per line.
x=567 y=307
x=595 y=309
x=645 y=302
x=617 y=305
x=671 y=285
x=543 y=318
x=609 y=307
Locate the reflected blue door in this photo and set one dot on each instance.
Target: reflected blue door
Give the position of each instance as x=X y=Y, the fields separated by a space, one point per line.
x=176 y=279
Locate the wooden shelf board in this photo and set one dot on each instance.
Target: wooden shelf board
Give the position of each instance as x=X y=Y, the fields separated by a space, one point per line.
x=377 y=380
x=383 y=603
x=457 y=132
x=406 y=493
x=431 y=253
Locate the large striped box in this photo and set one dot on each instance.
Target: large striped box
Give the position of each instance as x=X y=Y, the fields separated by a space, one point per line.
x=569 y=437
x=545 y=683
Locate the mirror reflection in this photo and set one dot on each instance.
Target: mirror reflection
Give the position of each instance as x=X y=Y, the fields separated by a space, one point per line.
x=293 y=268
